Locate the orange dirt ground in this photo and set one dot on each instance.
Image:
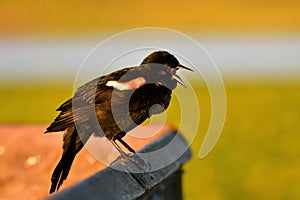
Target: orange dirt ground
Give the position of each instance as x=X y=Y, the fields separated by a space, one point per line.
x=28 y=157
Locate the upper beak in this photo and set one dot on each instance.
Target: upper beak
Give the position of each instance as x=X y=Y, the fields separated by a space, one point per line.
x=183 y=67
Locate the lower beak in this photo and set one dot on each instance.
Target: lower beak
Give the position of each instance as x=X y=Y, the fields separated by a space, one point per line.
x=178 y=79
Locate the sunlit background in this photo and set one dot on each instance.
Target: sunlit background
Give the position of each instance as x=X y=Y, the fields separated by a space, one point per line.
x=255 y=44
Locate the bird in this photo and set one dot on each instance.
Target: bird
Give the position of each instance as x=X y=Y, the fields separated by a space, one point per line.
x=112 y=105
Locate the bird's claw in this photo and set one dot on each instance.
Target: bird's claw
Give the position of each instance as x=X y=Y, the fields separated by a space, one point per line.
x=133 y=163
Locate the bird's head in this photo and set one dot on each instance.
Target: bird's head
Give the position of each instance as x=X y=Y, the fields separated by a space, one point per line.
x=158 y=68
x=161 y=69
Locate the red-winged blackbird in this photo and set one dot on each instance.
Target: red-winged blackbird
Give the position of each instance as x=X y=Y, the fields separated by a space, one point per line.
x=112 y=105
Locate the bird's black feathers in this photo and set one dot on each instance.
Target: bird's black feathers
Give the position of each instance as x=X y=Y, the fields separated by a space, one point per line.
x=118 y=102
x=71 y=148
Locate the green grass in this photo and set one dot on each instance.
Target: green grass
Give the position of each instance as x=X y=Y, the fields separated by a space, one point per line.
x=257 y=156
x=32 y=103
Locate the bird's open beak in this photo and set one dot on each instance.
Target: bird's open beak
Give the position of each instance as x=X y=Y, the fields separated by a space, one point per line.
x=177 y=78
x=183 y=67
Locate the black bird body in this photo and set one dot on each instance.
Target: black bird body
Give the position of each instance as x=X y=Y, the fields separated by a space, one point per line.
x=112 y=105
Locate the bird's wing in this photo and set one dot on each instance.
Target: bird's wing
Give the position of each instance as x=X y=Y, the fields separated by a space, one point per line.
x=94 y=92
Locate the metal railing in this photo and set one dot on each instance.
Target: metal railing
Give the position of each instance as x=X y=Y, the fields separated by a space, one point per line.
x=126 y=183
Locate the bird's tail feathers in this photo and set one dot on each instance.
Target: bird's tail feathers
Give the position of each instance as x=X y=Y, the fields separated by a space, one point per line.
x=62 y=169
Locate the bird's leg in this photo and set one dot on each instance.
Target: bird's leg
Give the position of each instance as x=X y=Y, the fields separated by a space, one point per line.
x=141 y=164
x=125 y=144
x=123 y=154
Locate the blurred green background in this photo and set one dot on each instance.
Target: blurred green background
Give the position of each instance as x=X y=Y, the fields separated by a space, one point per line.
x=257 y=156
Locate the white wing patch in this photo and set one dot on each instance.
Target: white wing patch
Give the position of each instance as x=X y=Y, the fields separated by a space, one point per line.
x=129 y=85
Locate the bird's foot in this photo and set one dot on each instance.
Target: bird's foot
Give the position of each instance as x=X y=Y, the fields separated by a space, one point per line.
x=133 y=163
